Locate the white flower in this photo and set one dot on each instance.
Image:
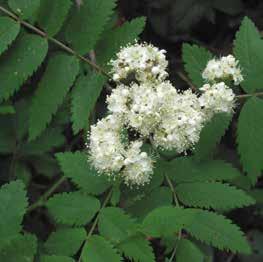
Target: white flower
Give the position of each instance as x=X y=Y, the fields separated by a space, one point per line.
x=223 y=69
x=138 y=166
x=145 y=61
x=106 y=149
x=217 y=98
x=181 y=123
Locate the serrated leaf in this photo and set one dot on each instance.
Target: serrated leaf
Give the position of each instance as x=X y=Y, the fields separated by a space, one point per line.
x=52 y=15
x=97 y=249
x=59 y=76
x=187 y=251
x=65 y=241
x=49 y=139
x=24 y=8
x=185 y=169
x=20 y=62
x=216 y=230
x=76 y=167
x=249 y=137
x=56 y=259
x=137 y=249
x=212 y=195
x=114 y=39
x=23 y=249
x=9 y=30
x=84 y=97
x=195 y=59
x=12 y=209
x=87 y=24
x=165 y=221
x=115 y=225
x=160 y=196
x=248 y=49
x=211 y=135
x=73 y=208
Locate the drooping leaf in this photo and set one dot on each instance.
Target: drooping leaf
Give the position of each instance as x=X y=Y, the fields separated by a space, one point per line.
x=114 y=39
x=76 y=167
x=24 y=8
x=137 y=248
x=115 y=225
x=65 y=241
x=187 y=251
x=97 y=249
x=22 y=248
x=9 y=30
x=212 y=195
x=84 y=97
x=249 y=137
x=52 y=15
x=12 y=209
x=248 y=49
x=73 y=208
x=195 y=59
x=20 y=62
x=185 y=169
x=87 y=23
x=211 y=135
x=59 y=76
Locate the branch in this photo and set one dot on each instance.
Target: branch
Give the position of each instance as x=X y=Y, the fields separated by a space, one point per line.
x=55 y=41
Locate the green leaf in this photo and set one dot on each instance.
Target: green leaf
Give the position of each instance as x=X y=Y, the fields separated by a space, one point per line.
x=248 y=49
x=185 y=169
x=212 y=195
x=187 y=251
x=52 y=15
x=211 y=135
x=84 y=97
x=6 y=109
x=249 y=137
x=195 y=59
x=87 y=24
x=137 y=249
x=160 y=196
x=20 y=62
x=12 y=209
x=49 y=139
x=65 y=241
x=9 y=30
x=56 y=259
x=115 y=225
x=23 y=249
x=76 y=167
x=216 y=230
x=97 y=249
x=73 y=208
x=115 y=38
x=165 y=221
x=22 y=172
x=24 y=8
x=59 y=76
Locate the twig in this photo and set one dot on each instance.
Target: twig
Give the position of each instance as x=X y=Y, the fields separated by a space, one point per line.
x=249 y=95
x=55 y=41
x=184 y=77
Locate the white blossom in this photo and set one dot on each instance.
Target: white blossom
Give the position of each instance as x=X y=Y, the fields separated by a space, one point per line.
x=138 y=166
x=217 y=98
x=223 y=69
x=145 y=61
x=106 y=149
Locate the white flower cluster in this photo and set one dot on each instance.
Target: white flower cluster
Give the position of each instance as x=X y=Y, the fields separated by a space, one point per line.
x=145 y=61
x=154 y=109
x=225 y=68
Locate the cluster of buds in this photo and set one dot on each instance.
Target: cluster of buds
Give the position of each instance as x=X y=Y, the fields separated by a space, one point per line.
x=155 y=111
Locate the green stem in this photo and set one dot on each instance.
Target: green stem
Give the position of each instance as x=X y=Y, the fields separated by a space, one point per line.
x=249 y=95
x=105 y=202
x=53 y=40
x=178 y=205
x=41 y=201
